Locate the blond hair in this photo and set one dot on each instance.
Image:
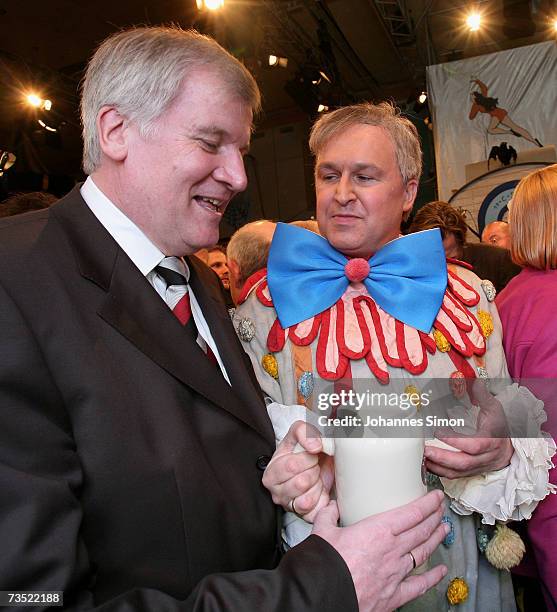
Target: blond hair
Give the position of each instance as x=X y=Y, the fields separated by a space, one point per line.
x=140 y=71
x=533 y=220
x=402 y=131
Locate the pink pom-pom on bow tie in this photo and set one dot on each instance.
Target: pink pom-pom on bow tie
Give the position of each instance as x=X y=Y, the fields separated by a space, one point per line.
x=356 y=270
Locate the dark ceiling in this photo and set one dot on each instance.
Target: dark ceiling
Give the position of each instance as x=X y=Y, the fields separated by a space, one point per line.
x=369 y=49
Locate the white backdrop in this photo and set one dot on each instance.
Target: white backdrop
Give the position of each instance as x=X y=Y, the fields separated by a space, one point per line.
x=524 y=81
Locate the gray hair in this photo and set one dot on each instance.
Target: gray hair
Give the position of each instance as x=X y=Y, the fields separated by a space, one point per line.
x=140 y=72
x=250 y=248
x=402 y=131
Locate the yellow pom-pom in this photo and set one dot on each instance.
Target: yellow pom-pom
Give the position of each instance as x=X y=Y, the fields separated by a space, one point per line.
x=505 y=549
x=413 y=396
x=486 y=323
x=441 y=342
x=457 y=591
x=270 y=365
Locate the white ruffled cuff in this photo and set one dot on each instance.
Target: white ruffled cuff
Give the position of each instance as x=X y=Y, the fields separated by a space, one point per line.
x=513 y=492
x=283 y=416
x=295 y=529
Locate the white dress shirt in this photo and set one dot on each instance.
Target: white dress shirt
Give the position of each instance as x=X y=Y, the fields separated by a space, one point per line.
x=144 y=254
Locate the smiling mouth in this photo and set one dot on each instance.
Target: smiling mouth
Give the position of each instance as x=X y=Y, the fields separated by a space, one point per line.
x=345 y=217
x=212 y=204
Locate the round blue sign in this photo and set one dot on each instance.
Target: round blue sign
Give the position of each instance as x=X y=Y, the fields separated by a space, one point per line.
x=495 y=204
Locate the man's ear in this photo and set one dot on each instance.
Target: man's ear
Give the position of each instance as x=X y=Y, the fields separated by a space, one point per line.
x=411 y=190
x=112 y=131
x=233 y=271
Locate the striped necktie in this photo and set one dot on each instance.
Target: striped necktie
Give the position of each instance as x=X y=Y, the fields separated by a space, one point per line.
x=182 y=308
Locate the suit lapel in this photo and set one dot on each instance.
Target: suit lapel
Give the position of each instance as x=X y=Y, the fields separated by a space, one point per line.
x=133 y=307
x=240 y=372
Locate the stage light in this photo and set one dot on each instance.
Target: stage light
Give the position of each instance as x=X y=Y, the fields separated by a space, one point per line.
x=555 y=24
x=322 y=108
x=211 y=5
x=38 y=102
x=275 y=60
x=422 y=97
x=34 y=100
x=7 y=160
x=317 y=76
x=473 y=21
x=45 y=126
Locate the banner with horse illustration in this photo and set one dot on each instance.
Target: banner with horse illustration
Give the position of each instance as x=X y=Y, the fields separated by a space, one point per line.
x=481 y=102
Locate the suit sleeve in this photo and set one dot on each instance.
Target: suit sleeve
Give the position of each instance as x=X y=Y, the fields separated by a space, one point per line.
x=41 y=515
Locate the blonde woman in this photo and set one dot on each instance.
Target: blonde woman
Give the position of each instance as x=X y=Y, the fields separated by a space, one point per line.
x=527 y=310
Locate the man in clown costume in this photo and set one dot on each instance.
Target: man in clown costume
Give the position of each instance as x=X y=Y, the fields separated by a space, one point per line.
x=362 y=303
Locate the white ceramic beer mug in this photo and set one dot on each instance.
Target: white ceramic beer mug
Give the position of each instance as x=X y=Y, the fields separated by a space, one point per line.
x=373 y=475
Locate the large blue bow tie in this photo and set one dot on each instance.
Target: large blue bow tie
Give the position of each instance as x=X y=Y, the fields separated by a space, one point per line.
x=407 y=277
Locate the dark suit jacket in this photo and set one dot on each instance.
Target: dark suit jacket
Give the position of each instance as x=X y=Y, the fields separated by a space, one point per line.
x=491 y=262
x=129 y=473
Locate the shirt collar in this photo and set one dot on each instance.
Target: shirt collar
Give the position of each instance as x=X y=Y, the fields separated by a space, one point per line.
x=144 y=254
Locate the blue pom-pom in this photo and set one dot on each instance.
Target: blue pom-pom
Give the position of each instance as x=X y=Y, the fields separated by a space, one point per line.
x=482 y=539
x=450 y=537
x=305 y=384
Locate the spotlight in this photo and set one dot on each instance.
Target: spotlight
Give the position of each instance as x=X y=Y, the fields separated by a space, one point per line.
x=45 y=126
x=311 y=74
x=322 y=108
x=34 y=100
x=38 y=102
x=316 y=76
x=211 y=5
x=555 y=24
x=275 y=60
x=422 y=97
x=473 y=21
x=7 y=160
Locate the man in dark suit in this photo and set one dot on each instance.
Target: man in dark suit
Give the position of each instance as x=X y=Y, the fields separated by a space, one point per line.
x=130 y=461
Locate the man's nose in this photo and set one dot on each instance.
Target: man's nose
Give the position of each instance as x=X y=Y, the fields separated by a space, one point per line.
x=232 y=171
x=344 y=192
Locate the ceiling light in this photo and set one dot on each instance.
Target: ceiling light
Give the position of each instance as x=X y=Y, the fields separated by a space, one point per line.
x=211 y=5
x=473 y=21
x=38 y=102
x=45 y=126
x=422 y=97
x=34 y=100
x=7 y=160
x=275 y=60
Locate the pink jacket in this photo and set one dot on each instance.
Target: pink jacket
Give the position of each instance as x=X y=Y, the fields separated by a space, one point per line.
x=527 y=308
